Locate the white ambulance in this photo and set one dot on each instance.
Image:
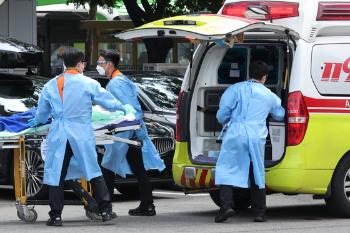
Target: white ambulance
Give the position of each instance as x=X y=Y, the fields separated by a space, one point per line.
x=307 y=47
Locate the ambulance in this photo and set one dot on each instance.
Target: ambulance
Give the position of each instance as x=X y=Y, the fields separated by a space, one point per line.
x=306 y=45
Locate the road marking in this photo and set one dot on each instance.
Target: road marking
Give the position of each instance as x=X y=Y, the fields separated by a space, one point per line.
x=181 y=194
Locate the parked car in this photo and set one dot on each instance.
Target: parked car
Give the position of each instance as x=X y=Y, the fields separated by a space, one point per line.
x=21 y=92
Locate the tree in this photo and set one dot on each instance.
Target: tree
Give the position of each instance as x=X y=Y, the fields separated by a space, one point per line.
x=193 y=6
x=157 y=49
x=92 y=16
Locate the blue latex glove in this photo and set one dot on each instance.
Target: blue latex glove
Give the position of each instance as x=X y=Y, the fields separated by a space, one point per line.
x=32 y=123
x=128 y=109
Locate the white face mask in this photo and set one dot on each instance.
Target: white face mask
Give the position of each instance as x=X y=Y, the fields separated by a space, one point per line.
x=64 y=67
x=100 y=70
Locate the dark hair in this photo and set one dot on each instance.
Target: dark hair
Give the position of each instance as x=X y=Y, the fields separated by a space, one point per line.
x=112 y=56
x=72 y=56
x=258 y=69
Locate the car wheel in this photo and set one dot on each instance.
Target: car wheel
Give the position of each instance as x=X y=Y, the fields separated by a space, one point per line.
x=128 y=190
x=339 y=201
x=241 y=198
x=35 y=174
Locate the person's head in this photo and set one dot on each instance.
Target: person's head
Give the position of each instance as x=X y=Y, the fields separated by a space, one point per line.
x=258 y=70
x=108 y=62
x=74 y=59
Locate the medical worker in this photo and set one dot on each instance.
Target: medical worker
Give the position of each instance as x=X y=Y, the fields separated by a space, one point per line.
x=119 y=158
x=243 y=110
x=68 y=99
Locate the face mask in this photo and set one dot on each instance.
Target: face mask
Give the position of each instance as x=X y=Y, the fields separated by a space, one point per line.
x=64 y=67
x=100 y=70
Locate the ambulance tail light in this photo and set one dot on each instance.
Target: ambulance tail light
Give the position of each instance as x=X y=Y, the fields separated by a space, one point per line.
x=178 y=123
x=277 y=10
x=333 y=11
x=298 y=118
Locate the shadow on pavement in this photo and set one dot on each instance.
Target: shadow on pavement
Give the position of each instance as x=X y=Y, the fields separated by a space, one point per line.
x=285 y=213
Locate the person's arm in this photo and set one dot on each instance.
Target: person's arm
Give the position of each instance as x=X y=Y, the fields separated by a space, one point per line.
x=228 y=102
x=44 y=108
x=277 y=111
x=105 y=99
x=123 y=92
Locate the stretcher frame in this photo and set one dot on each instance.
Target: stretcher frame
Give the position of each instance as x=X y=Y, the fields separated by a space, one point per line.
x=25 y=207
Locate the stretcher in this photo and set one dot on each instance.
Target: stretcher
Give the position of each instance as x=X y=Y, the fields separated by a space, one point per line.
x=32 y=138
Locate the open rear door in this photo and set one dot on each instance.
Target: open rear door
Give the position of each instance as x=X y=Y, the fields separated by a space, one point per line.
x=201 y=27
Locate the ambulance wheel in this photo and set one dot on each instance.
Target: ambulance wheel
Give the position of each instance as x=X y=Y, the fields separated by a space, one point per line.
x=241 y=198
x=30 y=216
x=339 y=201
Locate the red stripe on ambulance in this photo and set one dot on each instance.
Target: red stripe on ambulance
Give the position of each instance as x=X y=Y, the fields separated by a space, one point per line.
x=202 y=178
x=328 y=105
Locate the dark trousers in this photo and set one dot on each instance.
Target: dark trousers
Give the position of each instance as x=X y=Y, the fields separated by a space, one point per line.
x=134 y=158
x=258 y=196
x=56 y=193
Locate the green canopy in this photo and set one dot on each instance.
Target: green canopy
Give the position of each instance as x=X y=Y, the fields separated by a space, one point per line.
x=49 y=2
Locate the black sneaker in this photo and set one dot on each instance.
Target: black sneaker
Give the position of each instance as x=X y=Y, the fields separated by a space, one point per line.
x=143 y=211
x=260 y=219
x=108 y=215
x=55 y=222
x=224 y=214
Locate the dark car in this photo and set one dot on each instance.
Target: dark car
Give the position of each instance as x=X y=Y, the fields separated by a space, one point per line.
x=20 y=92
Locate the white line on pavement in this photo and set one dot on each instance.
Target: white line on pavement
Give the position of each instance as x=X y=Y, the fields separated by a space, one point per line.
x=180 y=194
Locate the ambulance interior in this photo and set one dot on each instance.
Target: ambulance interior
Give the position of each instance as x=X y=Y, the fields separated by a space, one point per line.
x=222 y=67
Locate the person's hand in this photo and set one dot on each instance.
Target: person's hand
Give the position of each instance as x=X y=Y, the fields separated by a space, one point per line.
x=32 y=123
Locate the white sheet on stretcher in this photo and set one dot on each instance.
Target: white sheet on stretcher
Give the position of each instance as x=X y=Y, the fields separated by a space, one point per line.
x=100 y=118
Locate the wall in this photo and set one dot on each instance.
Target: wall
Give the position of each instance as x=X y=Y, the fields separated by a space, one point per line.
x=18 y=20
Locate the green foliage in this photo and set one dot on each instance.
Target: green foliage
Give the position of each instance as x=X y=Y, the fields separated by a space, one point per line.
x=102 y=3
x=153 y=7
x=193 y=6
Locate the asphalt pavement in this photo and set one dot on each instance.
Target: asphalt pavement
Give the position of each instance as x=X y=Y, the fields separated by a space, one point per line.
x=179 y=213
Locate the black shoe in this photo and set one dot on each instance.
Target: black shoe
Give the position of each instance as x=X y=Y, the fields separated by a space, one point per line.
x=260 y=219
x=150 y=210
x=108 y=215
x=56 y=222
x=224 y=214
x=92 y=215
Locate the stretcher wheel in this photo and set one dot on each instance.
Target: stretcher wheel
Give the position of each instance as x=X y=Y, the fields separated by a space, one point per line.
x=19 y=215
x=30 y=216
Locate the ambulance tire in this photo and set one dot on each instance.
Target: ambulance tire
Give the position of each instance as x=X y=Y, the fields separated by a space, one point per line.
x=241 y=198
x=338 y=203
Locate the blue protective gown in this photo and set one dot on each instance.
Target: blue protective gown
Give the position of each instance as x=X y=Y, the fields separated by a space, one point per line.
x=72 y=122
x=114 y=158
x=244 y=107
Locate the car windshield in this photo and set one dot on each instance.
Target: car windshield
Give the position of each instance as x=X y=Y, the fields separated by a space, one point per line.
x=163 y=89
